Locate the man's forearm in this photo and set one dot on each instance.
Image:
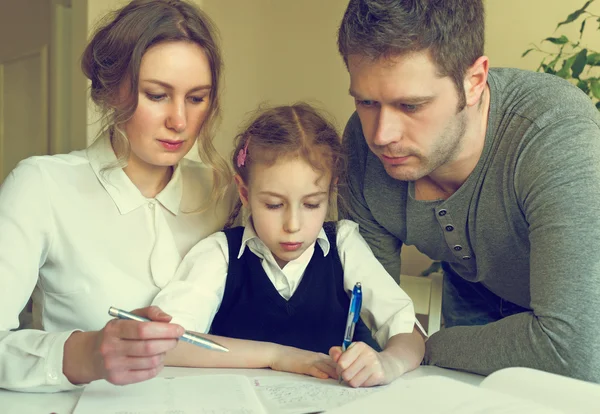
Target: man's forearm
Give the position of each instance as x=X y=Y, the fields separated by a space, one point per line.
x=522 y=340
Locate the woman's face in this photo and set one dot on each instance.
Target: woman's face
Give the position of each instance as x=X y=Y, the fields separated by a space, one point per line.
x=173 y=102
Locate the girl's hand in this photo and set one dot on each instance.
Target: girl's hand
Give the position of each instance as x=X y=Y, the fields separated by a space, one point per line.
x=299 y=361
x=362 y=366
x=123 y=352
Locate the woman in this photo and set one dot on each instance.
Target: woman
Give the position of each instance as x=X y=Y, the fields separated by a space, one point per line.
x=107 y=226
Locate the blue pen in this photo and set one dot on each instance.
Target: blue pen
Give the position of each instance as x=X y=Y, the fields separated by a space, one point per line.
x=187 y=336
x=353 y=317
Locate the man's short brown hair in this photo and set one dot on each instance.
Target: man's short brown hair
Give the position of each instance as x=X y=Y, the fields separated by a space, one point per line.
x=452 y=31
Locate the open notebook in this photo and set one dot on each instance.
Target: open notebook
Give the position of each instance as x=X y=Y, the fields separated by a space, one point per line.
x=513 y=390
x=230 y=394
x=510 y=390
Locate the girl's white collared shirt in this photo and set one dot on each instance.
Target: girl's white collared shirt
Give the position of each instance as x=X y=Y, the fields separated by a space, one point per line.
x=80 y=236
x=193 y=297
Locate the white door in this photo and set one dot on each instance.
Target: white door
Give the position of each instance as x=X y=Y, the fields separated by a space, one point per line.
x=24 y=44
x=23 y=108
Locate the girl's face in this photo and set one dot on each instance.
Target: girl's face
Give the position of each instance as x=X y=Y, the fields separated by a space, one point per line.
x=173 y=103
x=288 y=202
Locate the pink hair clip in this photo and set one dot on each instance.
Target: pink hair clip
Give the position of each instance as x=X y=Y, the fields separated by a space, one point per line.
x=241 y=157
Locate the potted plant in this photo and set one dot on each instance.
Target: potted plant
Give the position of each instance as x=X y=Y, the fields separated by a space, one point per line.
x=570 y=59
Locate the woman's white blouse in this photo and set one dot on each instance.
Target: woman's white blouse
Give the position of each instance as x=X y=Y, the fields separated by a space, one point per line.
x=80 y=235
x=194 y=295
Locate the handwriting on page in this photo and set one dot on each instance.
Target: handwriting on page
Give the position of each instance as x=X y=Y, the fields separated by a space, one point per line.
x=222 y=394
x=292 y=396
x=302 y=392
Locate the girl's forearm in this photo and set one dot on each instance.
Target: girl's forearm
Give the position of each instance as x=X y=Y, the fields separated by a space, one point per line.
x=406 y=349
x=242 y=354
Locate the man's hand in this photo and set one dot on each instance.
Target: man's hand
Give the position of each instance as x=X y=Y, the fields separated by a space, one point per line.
x=299 y=361
x=362 y=366
x=123 y=352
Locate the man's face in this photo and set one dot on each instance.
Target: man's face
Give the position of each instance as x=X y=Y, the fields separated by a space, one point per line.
x=408 y=113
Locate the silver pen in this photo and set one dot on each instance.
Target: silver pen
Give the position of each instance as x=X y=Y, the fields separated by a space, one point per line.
x=187 y=336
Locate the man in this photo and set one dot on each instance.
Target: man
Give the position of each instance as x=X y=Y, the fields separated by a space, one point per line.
x=494 y=172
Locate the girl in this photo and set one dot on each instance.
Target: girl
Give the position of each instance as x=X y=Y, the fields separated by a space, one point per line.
x=285 y=277
x=109 y=225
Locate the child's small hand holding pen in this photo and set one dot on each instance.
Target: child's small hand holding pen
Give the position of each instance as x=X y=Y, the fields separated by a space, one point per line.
x=362 y=366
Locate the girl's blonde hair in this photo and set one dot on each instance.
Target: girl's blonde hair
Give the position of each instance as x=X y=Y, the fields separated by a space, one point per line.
x=290 y=131
x=113 y=57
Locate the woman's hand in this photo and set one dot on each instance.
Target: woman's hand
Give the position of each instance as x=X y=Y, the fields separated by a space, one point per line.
x=362 y=366
x=299 y=361
x=123 y=352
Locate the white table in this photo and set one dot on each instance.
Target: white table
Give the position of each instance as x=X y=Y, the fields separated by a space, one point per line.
x=64 y=402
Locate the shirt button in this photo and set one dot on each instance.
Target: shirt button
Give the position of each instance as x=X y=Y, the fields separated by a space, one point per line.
x=458 y=247
x=52 y=376
x=466 y=257
x=449 y=227
x=442 y=213
x=150 y=205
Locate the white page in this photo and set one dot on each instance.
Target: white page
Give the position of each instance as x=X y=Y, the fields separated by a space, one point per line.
x=227 y=394
x=561 y=393
x=308 y=395
x=436 y=394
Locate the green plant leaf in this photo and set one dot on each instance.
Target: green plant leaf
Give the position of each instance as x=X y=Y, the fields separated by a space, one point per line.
x=593 y=59
x=573 y=16
x=526 y=52
x=556 y=59
x=542 y=64
x=595 y=88
x=571 y=60
x=565 y=71
x=598 y=105
x=557 y=40
x=579 y=63
x=584 y=87
x=549 y=70
x=582 y=28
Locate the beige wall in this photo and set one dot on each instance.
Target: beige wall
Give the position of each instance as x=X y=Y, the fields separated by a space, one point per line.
x=97 y=9
x=279 y=51
x=512 y=25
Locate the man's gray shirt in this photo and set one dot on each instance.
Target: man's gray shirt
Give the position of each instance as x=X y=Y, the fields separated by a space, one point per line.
x=526 y=224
